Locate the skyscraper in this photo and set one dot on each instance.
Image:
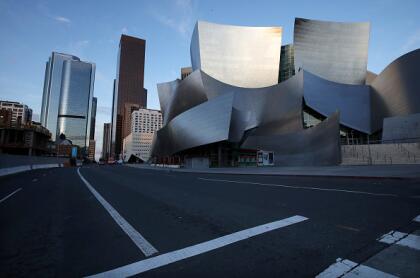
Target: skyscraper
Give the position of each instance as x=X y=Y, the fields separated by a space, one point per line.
x=67 y=98
x=128 y=88
x=287 y=64
x=106 y=143
x=52 y=88
x=93 y=118
x=75 y=106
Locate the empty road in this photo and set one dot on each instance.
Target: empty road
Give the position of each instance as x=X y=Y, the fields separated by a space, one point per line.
x=121 y=221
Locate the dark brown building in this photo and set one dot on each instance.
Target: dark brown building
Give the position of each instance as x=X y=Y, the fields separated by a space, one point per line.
x=128 y=88
x=106 y=142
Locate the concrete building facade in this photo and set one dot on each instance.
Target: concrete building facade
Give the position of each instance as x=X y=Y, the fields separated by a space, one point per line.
x=21 y=114
x=144 y=124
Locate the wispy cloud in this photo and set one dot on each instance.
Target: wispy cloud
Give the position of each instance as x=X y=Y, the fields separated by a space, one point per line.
x=77 y=48
x=62 y=19
x=181 y=19
x=124 y=30
x=412 y=42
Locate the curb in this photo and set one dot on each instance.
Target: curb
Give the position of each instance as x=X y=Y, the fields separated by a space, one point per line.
x=278 y=174
x=25 y=168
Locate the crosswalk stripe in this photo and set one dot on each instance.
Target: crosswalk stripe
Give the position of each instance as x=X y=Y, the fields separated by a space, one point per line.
x=412 y=241
x=350 y=269
x=337 y=269
x=363 y=271
x=392 y=237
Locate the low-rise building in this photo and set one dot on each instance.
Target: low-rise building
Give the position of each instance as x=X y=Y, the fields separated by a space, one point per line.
x=29 y=139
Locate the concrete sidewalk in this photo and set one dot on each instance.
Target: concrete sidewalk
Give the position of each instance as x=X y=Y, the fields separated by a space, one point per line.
x=362 y=171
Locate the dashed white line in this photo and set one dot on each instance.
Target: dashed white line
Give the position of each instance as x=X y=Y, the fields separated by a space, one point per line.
x=304 y=187
x=134 y=235
x=171 y=257
x=10 y=195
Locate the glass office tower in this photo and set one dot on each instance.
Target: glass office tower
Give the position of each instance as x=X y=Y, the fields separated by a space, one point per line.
x=75 y=106
x=287 y=62
x=67 y=98
x=52 y=89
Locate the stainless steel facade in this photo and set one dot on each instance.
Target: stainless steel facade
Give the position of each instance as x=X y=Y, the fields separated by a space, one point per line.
x=402 y=128
x=396 y=90
x=335 y=51
x=201 y=110
x=326 y=97
x=319 y=145
x=75 y=105
x=204 y=124
x=214 y=105
x=237 y=55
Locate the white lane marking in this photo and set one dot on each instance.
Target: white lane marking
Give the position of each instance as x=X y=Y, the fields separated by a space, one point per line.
x=337 y=269
x=417 y=218
x=11 y=194
x=392 y=237
x=349 y=269
x=181 y=254
x=134 y=235
x=412 y=241
x=363 y=271
x=304 y=187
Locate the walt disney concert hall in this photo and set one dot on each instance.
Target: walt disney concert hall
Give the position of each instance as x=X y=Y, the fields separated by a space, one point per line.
x=248 y=95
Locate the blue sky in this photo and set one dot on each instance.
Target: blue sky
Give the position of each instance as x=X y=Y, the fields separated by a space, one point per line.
x=30 y=30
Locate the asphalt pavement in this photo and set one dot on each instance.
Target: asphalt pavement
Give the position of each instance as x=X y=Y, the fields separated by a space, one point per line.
x=65 y=223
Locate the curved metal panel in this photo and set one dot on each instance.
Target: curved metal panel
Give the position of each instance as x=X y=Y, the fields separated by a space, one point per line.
x=166 y=92
x=279 y=105
x=326 y=97
x=396 y=90
x=203 y=124
x=242 y=56
x=335 y=51
x=275 y=110
x=179 y=96
x=405 y=128
x=319 y=145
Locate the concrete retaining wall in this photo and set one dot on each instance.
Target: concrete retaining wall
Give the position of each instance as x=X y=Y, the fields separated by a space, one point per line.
x=12 y=164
